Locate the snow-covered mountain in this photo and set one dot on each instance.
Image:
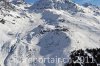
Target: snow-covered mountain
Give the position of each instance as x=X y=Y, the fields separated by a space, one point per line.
x=48 y=28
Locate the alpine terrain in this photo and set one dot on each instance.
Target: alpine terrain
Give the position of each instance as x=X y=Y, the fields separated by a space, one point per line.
x=46 y=29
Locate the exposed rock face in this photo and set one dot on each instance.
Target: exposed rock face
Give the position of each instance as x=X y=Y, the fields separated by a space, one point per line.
x=49 y=28
x=56 y=4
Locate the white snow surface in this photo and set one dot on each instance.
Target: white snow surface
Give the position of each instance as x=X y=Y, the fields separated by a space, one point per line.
x=39 y=33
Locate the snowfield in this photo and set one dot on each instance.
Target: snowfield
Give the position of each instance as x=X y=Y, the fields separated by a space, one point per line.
x=33 y=32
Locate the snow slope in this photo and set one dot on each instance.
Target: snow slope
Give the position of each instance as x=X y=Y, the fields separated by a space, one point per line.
x=38 y=32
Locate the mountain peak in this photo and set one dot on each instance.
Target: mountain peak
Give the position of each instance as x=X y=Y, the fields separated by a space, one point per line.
x=57 y=4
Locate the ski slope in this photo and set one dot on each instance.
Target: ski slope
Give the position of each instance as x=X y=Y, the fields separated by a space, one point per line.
x=32 y=31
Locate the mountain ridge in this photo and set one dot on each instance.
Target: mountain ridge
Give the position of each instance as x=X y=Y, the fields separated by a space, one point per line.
x=29 y=32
